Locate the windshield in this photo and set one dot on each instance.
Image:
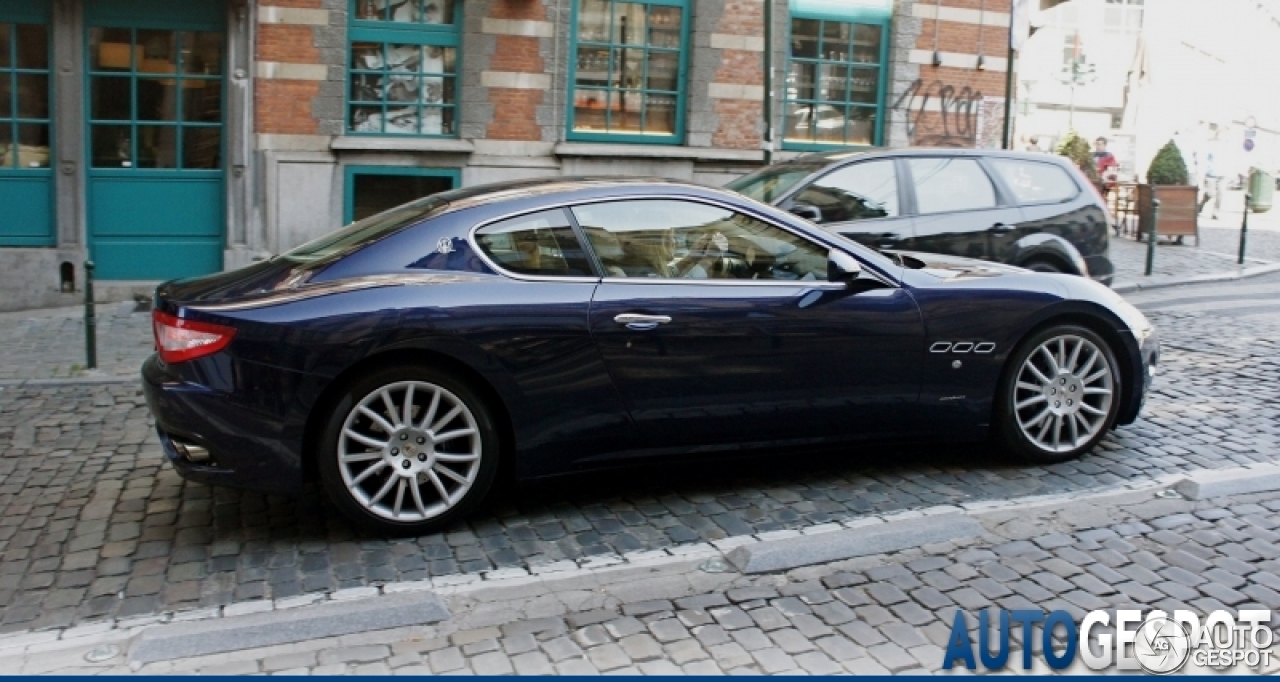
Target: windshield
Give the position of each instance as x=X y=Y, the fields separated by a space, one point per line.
x=369 y=230
x=768 y=184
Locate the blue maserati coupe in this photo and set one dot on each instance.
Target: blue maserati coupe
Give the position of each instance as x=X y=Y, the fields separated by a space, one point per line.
x=552 y=326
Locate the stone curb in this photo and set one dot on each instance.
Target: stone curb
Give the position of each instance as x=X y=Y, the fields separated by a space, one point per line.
x=1161 y=283
x=251 y=631
x=1230 y=482
x=81 y=381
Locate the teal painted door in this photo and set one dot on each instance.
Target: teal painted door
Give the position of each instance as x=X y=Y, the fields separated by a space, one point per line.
x=155 y=115
x=26 y=182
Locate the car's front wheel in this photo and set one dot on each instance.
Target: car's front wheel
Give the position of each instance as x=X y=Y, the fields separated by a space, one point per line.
x=1059 y=396
x=408 y=450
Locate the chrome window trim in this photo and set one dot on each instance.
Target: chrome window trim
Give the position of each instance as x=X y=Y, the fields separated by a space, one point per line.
x=569 y=204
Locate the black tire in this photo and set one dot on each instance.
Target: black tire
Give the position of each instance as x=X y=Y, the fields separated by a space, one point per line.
x=1012 y=420
x=1041 y=265
x=418 y=460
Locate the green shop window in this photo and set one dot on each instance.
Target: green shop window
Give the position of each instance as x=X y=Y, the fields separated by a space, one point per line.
x=628 y=71
x=835 y=82
x=25 y=178
x=374 y=189
x=403 y=68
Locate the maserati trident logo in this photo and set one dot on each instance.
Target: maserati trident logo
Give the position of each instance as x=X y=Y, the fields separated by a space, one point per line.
x=1161 y=645
x=445 y=245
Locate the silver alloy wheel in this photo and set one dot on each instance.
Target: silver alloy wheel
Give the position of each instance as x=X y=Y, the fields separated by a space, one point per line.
x=409 y=451
x=1063 y=393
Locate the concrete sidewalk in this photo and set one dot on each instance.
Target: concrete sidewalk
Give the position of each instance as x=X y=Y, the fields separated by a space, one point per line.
x=886 y=613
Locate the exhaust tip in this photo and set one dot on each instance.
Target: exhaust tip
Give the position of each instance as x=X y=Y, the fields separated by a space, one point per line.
x=192 y=453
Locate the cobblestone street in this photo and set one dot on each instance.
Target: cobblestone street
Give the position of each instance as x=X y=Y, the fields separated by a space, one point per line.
x=93 y=525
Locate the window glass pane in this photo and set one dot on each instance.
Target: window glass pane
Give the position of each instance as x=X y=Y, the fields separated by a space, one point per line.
x=112 y=49
x=202 y=147
x=202 y=53
x=950 y=185
x=33 y=46
x=590 y=110
x=110 y=98
x=681 y=239
x=159 y=51
x=157 y=147
x=7 y=156
x=866 y=43
x=835 y=41
x=663 y=68
x=6 y=97
x=857 y=192
x=374 y=193
x=33 y=146
x=629 y=21
x=6 y=44
x=538 y=244
x=33 y=96
x=1030 y=181
x=804 y=38
x=660 y=113
x=157 y=99
x=202 y=101
x=862 y=126
x=112 y=146
x=593 y=21
x=833 y=80
x=767 y=184
x=829 y=123
x=664 y=26
x=365 y=230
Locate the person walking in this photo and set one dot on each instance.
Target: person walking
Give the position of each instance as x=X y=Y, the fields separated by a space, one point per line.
x=1106 y=163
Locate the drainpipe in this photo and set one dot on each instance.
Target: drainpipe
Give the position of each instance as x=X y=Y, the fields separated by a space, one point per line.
x=768 y=82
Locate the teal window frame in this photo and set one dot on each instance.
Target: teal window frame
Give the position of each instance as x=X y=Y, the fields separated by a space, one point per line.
x=403 y=33
x=12 y=14
x=676 y=137
x=854 y=15
x=351 y=171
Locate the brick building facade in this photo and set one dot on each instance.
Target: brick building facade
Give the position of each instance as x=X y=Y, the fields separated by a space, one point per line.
x=330 y=110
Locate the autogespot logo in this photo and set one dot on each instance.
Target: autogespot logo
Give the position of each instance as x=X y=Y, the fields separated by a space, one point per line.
x=1157 y=643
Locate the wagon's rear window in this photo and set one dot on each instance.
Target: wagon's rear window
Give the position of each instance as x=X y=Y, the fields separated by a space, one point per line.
x=367 y=231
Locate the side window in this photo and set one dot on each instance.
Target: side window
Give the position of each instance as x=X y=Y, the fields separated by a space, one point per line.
x=857 y=192
x=1032 y=181
x=536 y=244
x=686 y=240
x=951 y=185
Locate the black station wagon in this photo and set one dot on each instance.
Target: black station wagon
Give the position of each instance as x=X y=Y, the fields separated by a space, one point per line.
x=1032 y=210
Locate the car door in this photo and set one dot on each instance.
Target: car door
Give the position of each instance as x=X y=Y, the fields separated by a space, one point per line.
x=719 y=328
x=1051 y=203
x=858 y=200
x=958 y=209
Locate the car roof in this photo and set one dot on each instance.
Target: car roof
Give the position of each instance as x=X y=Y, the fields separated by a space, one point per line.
x=513 y=190
x=839 y=155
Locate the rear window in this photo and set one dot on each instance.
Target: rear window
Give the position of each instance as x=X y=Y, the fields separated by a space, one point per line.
x=767 y=184
x=1034 y=182
x=366 y=231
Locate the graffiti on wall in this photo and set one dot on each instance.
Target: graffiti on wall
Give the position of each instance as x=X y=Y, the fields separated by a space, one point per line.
x=956 y=122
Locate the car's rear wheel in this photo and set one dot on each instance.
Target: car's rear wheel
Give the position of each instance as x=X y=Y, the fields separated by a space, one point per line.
x=408 y=450
x=1059 y=396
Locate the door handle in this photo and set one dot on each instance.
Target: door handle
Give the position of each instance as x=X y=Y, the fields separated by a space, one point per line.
x=641 y=323
x=888 y=240
x=1001 y=228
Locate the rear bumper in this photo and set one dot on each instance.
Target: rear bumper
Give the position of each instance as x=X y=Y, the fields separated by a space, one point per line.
x=249 y=448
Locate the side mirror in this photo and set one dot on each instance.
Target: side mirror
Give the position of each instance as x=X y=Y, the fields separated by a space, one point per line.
x=810 y=213
x=841 y=267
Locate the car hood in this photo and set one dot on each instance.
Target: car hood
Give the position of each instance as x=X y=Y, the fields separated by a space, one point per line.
x=951 y=267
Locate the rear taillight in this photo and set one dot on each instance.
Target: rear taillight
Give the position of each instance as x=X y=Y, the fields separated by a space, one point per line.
x=179 y=340
x=1102 y=199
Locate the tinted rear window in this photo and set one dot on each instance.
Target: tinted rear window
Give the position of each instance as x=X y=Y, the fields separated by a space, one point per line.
x=366 y=231
x=1033 y=182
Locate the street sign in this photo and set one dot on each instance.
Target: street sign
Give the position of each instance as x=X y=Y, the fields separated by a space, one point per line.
x=1248 y=145
x=1250 y=133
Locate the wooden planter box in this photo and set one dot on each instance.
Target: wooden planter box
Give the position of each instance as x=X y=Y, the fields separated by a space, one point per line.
x=1179 y=211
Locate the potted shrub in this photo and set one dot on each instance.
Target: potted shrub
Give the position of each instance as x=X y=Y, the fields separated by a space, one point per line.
x=1168 y=181
x=1077 y=149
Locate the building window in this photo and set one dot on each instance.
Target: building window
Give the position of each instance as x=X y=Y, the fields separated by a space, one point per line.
x=24 y=96
x=835 y=83
x=374 y=189
x=628 y=71
x=403 y=67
